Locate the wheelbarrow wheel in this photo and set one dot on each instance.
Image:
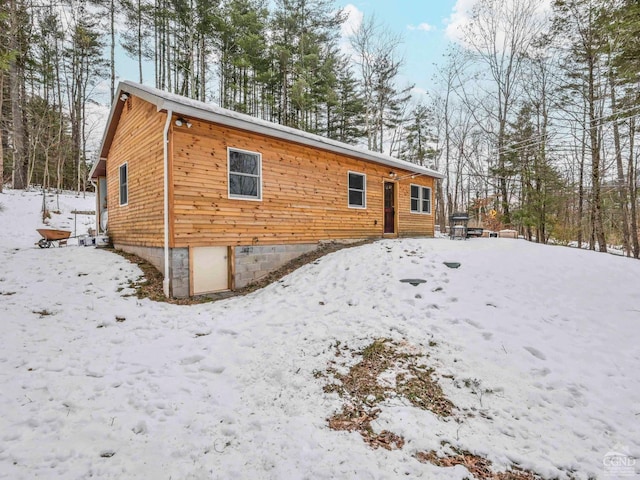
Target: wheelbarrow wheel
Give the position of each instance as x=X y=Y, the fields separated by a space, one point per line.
x=44 y=243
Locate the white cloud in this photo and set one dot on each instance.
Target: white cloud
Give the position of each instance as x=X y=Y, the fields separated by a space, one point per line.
x=459 y=19
x=419 y=92
x=353 y=21
x=425 y=27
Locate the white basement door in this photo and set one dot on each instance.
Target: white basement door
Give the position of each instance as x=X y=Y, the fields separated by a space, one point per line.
x=210 y=269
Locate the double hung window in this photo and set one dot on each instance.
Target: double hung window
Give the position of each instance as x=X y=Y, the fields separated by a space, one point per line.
x=245 y=174
x=420 y=199
x=357 y=190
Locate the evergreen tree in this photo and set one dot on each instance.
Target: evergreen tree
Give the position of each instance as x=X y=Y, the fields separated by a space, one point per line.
x=624 y=20
x=577 y=22
x=85 y=65
x=419 y=139
x=304 y=35
x=345 y=106
x=136 y=37
x=379 y=66
x=540 y=183
x=243 y=54
x=389 y=102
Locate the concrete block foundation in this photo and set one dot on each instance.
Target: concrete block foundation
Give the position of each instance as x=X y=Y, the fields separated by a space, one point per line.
x=178 y=265
x=251 y=262
x=254 y=262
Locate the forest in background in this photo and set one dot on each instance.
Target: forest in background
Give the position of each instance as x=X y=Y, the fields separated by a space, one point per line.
x=532 y=116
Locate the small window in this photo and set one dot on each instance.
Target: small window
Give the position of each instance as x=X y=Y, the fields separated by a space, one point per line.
x=420 y=199
x=124 y=184
x=357 y=190
x=245 y=175
x=415 y=198
x=426 y=200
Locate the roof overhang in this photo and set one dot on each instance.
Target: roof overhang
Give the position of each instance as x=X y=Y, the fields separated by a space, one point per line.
x=99 y=168
x=194 y=109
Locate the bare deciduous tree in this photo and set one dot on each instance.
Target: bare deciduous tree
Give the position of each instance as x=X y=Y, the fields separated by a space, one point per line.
x=500 y=33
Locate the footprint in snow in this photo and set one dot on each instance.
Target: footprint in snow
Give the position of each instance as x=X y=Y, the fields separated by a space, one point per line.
x=473 y=324
x=536 y=353
x=224 y=331
x=191 y=360
x=575 y=390
x=540 y=372
x=140 y=428
x=212 y=368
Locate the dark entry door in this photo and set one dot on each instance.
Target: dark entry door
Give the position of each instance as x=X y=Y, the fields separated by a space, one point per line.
x=389 y=207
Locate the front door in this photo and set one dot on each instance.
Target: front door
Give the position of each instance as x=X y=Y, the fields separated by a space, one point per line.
x=389 y=207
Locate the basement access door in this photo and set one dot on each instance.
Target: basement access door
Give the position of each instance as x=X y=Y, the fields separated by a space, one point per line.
x=210 y=269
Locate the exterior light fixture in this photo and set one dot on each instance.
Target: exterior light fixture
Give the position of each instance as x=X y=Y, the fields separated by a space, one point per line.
x=181 y=121
x=124 y=96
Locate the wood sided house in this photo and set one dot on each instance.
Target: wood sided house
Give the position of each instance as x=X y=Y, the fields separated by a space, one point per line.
x=216 y=199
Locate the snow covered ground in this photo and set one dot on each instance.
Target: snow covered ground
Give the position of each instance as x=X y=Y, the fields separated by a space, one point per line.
x=543 y=342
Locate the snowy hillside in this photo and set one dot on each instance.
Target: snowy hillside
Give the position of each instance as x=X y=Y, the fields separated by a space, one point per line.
x=536 y=347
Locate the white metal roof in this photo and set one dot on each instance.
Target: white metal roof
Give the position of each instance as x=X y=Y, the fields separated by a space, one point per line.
x=195 y=109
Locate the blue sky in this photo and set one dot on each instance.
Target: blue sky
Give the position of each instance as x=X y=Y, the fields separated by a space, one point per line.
x=426 y=25
x=423 y=25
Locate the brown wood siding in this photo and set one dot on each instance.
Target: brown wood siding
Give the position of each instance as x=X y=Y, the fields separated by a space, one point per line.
x=137 y=141
x=415 y=224
x=304 y=193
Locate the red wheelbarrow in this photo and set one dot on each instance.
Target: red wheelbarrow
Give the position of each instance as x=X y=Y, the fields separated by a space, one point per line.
x=51 y=236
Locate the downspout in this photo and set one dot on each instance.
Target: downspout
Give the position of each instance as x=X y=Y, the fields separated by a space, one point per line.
x=98 y=212
x=167 y=281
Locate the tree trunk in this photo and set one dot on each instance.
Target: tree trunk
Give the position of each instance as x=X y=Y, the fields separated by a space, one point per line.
x=112 y=57
x=623 y=197
x=633 y=190
x=502 y=180
x=140 y=41
x=596 y=200
x=583 y=144
x=16 y=91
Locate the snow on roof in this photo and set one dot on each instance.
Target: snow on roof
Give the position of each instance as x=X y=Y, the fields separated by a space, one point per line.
x=166 y=101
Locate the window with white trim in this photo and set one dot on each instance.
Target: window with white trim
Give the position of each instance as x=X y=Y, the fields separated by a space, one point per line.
x=357 y=190
x=245 y=174
x=124 y=184
x=420 y=199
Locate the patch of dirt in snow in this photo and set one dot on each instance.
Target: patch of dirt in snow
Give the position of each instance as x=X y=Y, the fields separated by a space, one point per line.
x=478 y=466
x=363 y=391
x=396 y=370
x=149 y=285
